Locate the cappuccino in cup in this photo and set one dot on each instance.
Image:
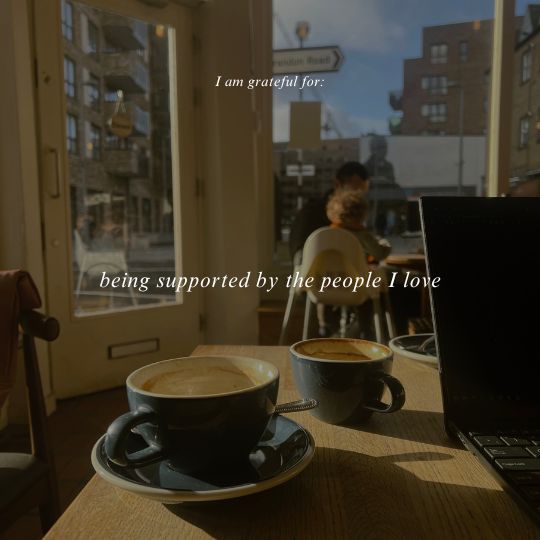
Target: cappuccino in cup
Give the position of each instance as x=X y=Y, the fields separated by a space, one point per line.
x=195 y=412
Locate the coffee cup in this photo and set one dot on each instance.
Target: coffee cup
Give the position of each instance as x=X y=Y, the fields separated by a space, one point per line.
x=347 y=377
x=195 y=412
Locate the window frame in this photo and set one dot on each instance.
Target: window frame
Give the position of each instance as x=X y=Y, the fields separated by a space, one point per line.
x=72 y=142
x=93 y=91
x=70 y=85
x=523 y=135
x=526 y=66
x=68 y=30
x=436 y=85
x=435 y=113
x=92 y=31
x=96 y=142
x=463 y=52
x=435 y=53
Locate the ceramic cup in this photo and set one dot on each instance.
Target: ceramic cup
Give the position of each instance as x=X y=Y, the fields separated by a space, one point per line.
x=347 y=377
x=195 y=412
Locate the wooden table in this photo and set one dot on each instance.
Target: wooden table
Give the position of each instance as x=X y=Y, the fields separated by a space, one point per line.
x=397 y=477
x=412 y=261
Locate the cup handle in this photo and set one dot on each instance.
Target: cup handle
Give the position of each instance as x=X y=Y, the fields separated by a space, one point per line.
x=118 y=432
x=396 y=390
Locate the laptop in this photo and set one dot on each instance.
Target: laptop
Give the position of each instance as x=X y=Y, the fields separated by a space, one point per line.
x=486 y=314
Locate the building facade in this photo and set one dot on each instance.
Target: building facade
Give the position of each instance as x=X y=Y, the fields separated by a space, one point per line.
x=525 y=150
x=116 y=69
x=445 y=91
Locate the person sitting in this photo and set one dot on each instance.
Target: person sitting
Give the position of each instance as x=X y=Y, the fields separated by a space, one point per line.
x=312 y=216
x=348 y=209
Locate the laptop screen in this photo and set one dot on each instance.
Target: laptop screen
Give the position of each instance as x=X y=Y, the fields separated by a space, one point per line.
x=487 y=307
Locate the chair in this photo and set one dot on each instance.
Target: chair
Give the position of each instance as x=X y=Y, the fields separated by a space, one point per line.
x=29 y=480
x=337 y=252
x=93 y=263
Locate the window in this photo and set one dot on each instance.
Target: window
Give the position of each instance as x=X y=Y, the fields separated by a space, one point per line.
x=69 y=77
x=114 y=142
x=93 y=38
x=524 y=131
x=111 y=96
x=93 y=141
x=434 y=112
x=71 y=134
x=134 y=212
x=526 y=63
x=67 y=20
x=463 y=51
x=146 y=215
x=92 y=94
x=439 y=53
x=437 y=84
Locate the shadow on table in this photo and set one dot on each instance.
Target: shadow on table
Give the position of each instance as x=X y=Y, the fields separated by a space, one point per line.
x=420 y=426
x=343 y=494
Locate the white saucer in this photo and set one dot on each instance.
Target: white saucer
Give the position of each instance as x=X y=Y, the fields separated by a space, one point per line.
x=284 y=451
x=401 y=344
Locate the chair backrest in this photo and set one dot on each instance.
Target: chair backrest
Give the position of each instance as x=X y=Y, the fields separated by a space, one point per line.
x=94 y=263
x=333 y=252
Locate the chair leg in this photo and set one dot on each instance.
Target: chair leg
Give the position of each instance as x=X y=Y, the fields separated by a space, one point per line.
x=307 y=317
x=343 y=321
x=377 y=319
x=287 y=316
x=49 y=511
x=389 y=316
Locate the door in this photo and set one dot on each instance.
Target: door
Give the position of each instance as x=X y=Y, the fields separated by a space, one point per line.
x=114 y=92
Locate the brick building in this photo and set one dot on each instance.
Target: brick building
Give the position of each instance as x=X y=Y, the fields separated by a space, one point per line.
x=117 y=183
x=525 y=151
x=452 y=71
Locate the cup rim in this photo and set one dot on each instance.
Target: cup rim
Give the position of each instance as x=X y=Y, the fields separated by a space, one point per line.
x=389 y=353
x=268 y=365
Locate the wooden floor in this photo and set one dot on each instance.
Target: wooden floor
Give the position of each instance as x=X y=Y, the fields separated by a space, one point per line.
x=75 y=427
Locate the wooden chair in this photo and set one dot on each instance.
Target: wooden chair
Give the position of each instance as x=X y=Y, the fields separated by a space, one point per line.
x=29 y=480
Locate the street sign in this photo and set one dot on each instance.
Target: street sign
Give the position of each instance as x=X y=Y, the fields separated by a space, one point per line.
x=308 y=60
x=294 y=170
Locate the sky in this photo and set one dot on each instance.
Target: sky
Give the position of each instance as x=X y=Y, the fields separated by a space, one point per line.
x=375 y=37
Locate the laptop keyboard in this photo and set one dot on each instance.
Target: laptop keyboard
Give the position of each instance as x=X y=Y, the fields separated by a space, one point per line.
x=517 y=457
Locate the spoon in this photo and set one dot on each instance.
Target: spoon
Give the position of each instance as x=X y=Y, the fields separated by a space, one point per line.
x=296 y=406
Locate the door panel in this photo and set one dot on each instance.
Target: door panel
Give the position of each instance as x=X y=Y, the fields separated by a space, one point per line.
x=117 y=162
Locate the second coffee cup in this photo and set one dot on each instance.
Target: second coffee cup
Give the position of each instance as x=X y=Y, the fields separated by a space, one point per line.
x=347 y=377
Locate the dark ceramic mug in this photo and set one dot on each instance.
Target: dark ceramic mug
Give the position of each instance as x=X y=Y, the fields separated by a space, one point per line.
x=347 y=377
x=196 y=412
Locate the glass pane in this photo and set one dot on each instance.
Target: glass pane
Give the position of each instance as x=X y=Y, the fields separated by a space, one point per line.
x=118 y=131
x=408 y=105
x=525 y=134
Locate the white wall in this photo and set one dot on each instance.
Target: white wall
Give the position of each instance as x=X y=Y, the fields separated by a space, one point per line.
x=234 y=158
x=432 y=160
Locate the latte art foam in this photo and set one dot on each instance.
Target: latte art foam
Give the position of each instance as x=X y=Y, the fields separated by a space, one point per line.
x=198 y=382
x=341 y=350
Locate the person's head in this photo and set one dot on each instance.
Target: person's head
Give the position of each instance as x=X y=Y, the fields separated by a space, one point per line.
x=352 y=175
x=378 y=146
x=347 y=208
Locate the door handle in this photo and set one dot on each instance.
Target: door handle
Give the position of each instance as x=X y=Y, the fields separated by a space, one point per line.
x=53 y=172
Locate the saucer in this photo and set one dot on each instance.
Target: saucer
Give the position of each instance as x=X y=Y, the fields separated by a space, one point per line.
x=402 y=346
x=284 y=451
